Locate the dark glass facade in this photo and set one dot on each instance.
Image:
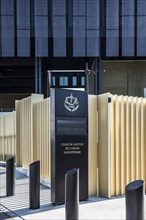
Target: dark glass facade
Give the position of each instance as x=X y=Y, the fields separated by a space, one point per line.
x=62 y=28
x=71 y=35
x=35 y=27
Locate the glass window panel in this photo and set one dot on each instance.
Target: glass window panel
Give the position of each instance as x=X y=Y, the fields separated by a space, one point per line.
x=41 y=26
x=23 y=43
x=53 y=81
x=93 y=14
x=79 y=36
x=112 y=14
x=128 y=36
x=141 y=35
x=66 y=81
x=63 y=81
x=141 y=50
x=23 y=14
x=112 y=43
x=7 y=33
x=59 y=26
x=141 y=7
x=141 y=26
x=7 y=7
x=78 y=7
x=128 y=46
x=74 y=81
x=79 y=27
x=59 y=7
x=128 y=26
x=7 y=26
x=79 y=46
x=59 y=46
x=41 y=35
x=59 y=34
x=41 y=7
x=41 y=46
x=82 y=81
x=128 y=7
x=92 y=42
x=7 y=46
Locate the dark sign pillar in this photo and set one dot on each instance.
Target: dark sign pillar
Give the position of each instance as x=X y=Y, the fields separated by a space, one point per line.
x=69 y=141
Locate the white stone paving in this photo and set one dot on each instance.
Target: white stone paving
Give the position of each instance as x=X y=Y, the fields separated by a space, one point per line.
x=94 y=208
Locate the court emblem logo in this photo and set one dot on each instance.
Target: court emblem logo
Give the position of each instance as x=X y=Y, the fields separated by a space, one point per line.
x=71 y=103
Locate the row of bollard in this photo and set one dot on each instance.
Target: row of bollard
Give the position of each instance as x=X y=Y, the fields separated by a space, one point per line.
x=134 y=191
x=71 y=187
x=34 y=182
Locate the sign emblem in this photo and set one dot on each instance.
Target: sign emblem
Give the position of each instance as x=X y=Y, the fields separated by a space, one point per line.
x=71 y=103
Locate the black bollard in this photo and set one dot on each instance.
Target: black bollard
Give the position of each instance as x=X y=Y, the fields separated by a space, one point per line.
x=135 y=200
x=72 y=194
x=10 y=176
x=34 y=185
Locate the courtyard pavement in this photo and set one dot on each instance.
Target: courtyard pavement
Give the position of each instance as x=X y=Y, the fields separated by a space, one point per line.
x=17 y=207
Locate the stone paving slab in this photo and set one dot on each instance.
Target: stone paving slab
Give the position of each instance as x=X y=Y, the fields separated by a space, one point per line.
x=18 y=205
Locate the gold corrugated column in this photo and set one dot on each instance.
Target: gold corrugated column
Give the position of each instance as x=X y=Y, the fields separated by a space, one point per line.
x=37 y=132
x=113 y=151
x=49 y=140
x=41 y=146
x=138 y=130
x=144 y=138
x=40 y=141
x=109 y=145
x=21 y=129
x=26 y=128
x=43 y=140
x=1 y=138
x=25 y=146
x=127 y=149
x=41 y=135
x=46 y=122
x=123 y=144
x=35 y=137
x=104 y=158
x=5 y=140
x=133 y=139
x=14 y=132
x=128 y=140
x=9 y=134
x=142 y=133
x=92 y=146
x=18 y=134
x=118 y=144
x=47 y=136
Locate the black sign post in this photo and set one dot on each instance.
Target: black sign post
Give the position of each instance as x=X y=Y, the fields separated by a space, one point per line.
x=69 y=141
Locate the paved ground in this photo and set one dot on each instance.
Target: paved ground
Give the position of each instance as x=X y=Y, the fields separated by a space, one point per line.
x=17 y=207
x=3 y=213
x=3 y=216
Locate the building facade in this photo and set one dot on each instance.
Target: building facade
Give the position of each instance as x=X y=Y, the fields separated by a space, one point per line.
x=96 y=45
